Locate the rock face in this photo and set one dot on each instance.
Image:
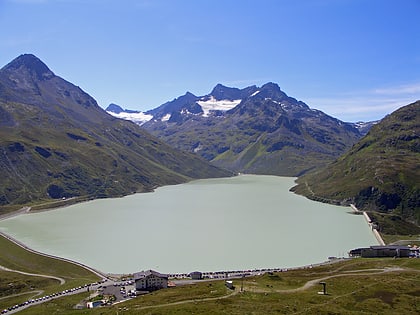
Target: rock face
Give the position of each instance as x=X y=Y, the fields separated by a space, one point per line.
x=56 y=142
x=257 y=130
x=381 y=172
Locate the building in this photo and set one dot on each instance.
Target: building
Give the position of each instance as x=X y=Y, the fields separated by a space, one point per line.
x=150 y=280
x=381 y=251
x=196 y=275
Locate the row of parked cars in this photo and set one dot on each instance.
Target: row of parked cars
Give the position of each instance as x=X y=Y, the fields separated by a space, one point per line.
x=124 y=283
x=44 y=298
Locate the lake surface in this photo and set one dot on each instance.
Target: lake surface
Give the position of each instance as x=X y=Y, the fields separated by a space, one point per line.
x=245 y=222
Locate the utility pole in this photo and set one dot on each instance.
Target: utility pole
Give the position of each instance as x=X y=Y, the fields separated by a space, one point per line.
x=324 y=288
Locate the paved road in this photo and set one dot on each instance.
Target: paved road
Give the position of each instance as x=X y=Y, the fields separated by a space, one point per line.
x=61 y=280
x=35 y=301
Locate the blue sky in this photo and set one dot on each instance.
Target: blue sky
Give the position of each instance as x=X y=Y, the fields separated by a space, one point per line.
x=353 y=59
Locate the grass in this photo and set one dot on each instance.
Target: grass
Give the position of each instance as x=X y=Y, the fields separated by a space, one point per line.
x=392 y=293
x=16 y=288
x=401 y=239
x=59 y=306
x=48 y=157
x=15 y=257
x=356 y=286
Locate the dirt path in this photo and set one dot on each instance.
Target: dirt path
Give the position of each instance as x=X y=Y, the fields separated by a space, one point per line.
x=363 y=272
x=61 y=280
x=349 y=273
x=306 y=286
x=311 y=283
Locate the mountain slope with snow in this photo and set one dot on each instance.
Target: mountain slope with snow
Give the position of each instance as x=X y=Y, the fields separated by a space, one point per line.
x=256 y=130
x=136 y=116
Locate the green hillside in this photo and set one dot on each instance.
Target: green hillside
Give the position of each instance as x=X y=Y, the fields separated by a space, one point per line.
x=380 y=173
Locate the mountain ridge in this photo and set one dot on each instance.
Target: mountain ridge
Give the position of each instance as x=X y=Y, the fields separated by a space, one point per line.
x=220 y=93
x=57 y=142
x=258 y=130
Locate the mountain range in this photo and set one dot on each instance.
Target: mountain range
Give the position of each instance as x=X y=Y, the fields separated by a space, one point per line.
x=58 y=146
x=56 y=143
x=258 y=130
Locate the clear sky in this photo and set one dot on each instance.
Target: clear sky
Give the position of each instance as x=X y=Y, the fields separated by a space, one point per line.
x=353 y=59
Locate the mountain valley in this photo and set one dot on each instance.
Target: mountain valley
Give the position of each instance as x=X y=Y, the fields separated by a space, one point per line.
x=58 y=146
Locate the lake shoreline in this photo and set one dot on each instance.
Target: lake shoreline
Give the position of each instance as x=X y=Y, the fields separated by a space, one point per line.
x=253 y=250
x=215 y=275
x=31 y=250
x=15 y=213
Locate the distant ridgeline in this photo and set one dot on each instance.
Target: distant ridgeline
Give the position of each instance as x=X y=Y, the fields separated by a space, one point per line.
x=257 y=130
x=58 y=144
x=381 y=172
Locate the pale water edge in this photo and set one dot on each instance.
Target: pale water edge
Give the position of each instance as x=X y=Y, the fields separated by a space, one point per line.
x=239 y=223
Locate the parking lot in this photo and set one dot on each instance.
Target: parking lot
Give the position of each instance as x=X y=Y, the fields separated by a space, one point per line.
x=121 y=290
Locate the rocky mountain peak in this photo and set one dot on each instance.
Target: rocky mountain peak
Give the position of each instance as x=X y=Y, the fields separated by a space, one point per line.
x=56 y=142
x=221 y=92
x=29 y=64
x=114 y=108
x=271 y=90
x=271 y=86
x=28 y=80
x=189 y=95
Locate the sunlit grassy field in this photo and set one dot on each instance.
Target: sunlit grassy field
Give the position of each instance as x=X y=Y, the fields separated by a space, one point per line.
x=354 y=286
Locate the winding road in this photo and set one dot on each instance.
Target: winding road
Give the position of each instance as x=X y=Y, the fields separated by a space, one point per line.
x=61 y=280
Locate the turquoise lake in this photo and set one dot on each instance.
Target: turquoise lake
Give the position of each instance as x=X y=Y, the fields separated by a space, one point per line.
x=239 y=223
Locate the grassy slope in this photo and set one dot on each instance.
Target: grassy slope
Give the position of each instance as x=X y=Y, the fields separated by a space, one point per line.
x=363 y=292
x=259 y=136
x=379 y=173
x=16 y=258
x=116 y=158
x=56 y=142
x=357 y=286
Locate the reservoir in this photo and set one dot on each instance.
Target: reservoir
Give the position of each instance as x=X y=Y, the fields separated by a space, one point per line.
x=239 y=223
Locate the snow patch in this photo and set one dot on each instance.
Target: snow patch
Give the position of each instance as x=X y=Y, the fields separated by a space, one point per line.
x=255 y=93
x=213 y=104
x=198 y=148
x=139 y=118
x=166 y=117
x=284 y=106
